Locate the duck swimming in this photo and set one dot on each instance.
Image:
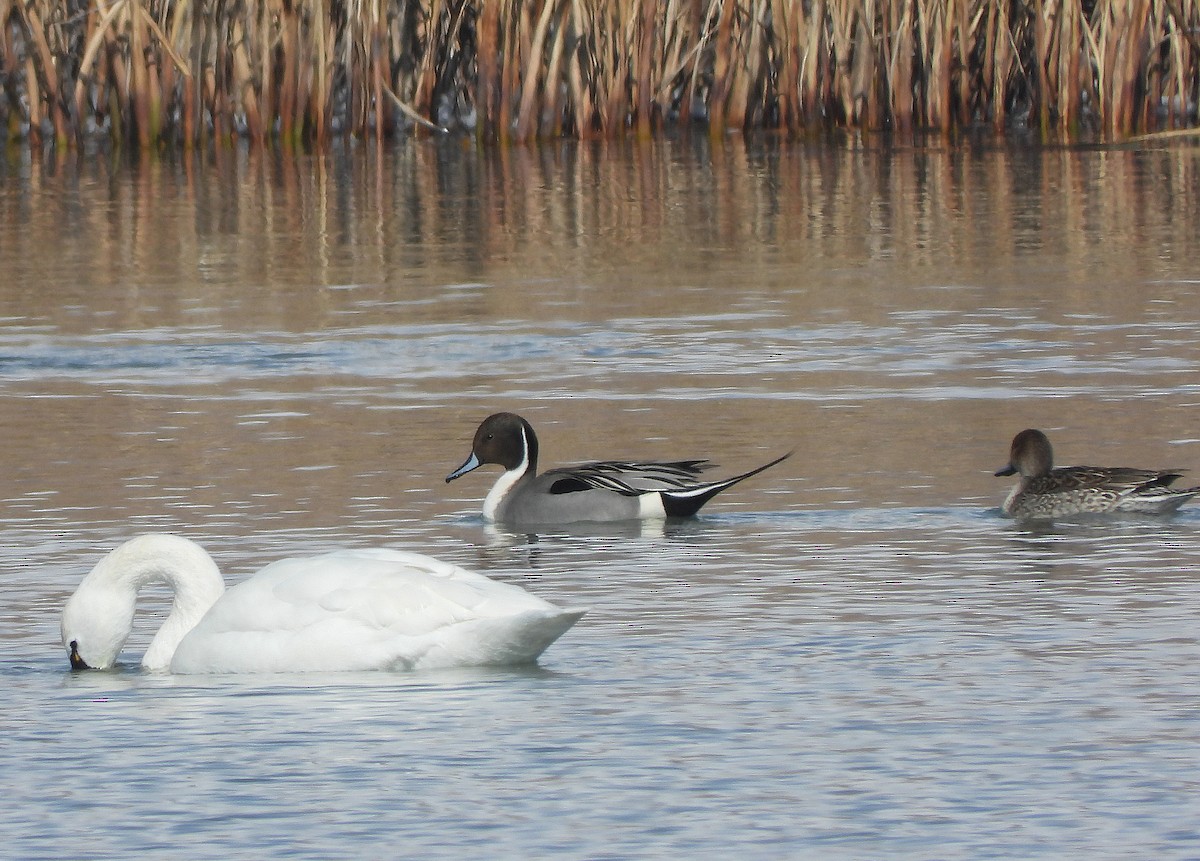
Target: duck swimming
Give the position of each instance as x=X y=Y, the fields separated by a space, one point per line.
x=1044 y=491
x=376 y=609
x=602 y=491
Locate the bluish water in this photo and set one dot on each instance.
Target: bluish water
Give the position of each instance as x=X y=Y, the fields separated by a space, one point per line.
x=853 y=655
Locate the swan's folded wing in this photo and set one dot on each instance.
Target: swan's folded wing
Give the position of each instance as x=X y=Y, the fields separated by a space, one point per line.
x=357 y=610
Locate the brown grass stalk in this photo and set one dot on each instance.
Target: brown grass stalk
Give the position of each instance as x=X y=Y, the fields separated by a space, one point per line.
x=41 y=63
x=900 y=64
x=723 y=48
x=643 y=81
x=530 y=79
x=554 y=71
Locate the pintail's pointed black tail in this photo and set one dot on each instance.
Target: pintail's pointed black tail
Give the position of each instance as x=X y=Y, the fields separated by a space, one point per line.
x=685 y=503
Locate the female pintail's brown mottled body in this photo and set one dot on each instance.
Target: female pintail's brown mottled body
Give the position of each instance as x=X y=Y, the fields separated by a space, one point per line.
x=603 y=491
x=1045 y=491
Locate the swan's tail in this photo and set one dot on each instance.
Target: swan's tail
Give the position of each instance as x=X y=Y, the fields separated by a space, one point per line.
x=500 y=642
x=542 y=632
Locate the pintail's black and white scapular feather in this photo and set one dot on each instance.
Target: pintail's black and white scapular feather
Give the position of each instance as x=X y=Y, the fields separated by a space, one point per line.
x=602 y=491
x=1046 y=491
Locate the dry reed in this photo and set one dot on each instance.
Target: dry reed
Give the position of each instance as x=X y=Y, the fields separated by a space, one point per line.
x=301 y=71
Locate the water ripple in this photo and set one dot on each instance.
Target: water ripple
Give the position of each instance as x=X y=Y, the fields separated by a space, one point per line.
x=964 y=359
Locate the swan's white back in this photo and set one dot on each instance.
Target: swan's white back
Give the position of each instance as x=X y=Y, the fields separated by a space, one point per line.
x=369 y=609
x=347 y=610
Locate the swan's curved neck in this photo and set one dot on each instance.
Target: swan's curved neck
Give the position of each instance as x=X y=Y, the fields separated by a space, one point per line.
x=102 y=607
x=196 y=584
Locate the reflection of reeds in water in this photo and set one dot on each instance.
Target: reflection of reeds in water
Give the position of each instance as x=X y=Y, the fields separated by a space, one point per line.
x=304 y=69
x=246 y=231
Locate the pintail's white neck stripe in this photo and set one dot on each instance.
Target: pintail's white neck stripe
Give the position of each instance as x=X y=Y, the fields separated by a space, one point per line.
x=505 y=483
x=524 y=464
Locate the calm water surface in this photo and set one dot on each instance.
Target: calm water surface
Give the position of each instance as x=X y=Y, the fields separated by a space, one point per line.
x=850 y=656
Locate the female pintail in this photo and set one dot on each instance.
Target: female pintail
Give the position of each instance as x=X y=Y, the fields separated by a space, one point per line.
x=1044 y=491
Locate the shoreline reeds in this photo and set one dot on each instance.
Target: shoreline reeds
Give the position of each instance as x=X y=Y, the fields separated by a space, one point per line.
x=305 y=71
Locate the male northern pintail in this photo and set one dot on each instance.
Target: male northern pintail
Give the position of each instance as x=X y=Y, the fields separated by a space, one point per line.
x=606 y=491
x=1044 y=491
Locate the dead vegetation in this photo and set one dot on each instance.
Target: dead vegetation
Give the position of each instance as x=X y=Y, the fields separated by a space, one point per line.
x=303 y=71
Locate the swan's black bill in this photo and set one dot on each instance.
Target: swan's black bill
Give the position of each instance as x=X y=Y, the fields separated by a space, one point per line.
x=77 y=662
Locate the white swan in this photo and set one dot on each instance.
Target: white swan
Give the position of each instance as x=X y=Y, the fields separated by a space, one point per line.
x=347 y=610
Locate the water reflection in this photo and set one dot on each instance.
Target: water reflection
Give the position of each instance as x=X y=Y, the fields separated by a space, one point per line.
x=282 y=355
x=593 y=215
x=1112 y=548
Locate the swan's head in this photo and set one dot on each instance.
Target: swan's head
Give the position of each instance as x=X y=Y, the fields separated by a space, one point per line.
x=95 y=625
x=97 y=619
